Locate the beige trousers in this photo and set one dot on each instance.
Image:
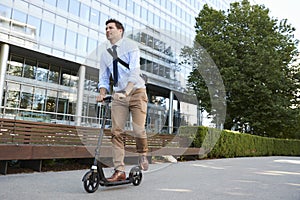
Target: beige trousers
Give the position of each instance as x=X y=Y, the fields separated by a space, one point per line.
x=136 y=104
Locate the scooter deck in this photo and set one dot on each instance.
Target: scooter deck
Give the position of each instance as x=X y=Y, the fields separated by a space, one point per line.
x=124 y=182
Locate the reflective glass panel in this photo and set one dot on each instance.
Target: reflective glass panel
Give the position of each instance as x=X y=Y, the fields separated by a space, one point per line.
x=46 y=31
x=59 y=35
x=63 y=4
x=26 y=97
x=29 y=69
x=74 y=7
x=39 y=99
x=54 y=74
x=42 y=72
x=15 y=66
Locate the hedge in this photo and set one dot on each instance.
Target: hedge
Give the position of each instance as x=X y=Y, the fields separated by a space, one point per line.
x=228 y=144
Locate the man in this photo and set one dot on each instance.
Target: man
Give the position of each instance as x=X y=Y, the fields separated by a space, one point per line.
x=129 y=95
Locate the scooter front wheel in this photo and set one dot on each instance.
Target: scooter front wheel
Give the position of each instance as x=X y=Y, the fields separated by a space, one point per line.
x=91 y=181
x=135 y=176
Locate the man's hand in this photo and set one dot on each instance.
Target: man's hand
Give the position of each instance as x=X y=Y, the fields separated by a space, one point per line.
x=102 y=94
x=100 y=97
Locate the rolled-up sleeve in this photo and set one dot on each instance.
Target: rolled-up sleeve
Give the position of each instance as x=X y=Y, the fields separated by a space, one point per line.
x=104 y=75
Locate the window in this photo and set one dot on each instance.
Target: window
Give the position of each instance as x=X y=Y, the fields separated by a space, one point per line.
x=51 y=2
x=46 y=31
x=92 y=45
x=137 y=9
x=33 y=21
x=39 y=99
x=59 y=35
x=155 y=69
x=82 y=43
x=13 y=96
x=74 y=7
x=51 y=100
x=65 y=77
x=26 y=97
x=54 y=74
x=62 y=106
x=144 y=13
x=71 y=39
x=29 y=69
x=84 y=12
x=15 y=66
x=42 y=72
x=19 y=16
x=63 y=4
x=5 y=11
x=130 y=6
x=94 y=18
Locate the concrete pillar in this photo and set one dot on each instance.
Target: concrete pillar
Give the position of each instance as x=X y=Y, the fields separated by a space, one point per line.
x=80 y=93
x=4 y=52
x=171 y=113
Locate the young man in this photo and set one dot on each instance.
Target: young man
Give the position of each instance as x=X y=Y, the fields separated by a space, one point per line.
x=129 y=95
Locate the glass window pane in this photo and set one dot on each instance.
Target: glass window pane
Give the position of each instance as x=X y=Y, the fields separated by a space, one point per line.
x=137 y=9
x=5 y=11
x=71 y=39
x=29 y=69
x=74 y=8
x=130 y=6
x=54 y=74
x=92 y=45
x=82 y=43
x=42 y=72
x=73 y=81
x=144 y=13
x=155 y=69
x=33 y=21
x=51 y=2
x=59 y=35
x=65 y=77
x=62 y=105
x=63 y=4
x=94 y=18
x=15 y=66
x=84 y=11
x=39 y=99
x=51 y=100
x=26 y=97
x=13 y=96
x=46 y=31
x=19 y=16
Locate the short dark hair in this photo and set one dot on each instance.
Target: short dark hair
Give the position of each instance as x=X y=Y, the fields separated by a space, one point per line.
x=119 y=25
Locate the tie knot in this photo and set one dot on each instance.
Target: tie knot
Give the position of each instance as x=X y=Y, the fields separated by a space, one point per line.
x=114 y=47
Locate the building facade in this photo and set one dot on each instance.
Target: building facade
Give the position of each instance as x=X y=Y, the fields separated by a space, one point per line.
x=50 y=50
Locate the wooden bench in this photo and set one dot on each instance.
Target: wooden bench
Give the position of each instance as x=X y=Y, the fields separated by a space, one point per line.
x=35 y=141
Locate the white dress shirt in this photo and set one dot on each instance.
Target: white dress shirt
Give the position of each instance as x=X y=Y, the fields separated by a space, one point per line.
x=128 y=51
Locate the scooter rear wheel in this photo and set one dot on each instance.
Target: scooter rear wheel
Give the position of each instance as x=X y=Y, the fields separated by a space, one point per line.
x=135 y=176
x=91 y=181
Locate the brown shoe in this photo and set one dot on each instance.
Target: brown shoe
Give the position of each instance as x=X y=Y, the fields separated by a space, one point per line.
x=117 y=176
x=143 y=163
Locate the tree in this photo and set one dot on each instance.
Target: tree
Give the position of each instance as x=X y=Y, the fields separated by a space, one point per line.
x=254 y=54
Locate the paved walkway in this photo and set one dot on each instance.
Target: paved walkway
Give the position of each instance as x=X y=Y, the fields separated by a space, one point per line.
x=257 y=178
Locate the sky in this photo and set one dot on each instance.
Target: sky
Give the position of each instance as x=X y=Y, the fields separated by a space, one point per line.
x=284 y=9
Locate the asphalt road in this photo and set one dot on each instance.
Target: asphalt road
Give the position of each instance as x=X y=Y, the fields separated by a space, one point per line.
x=257 y=178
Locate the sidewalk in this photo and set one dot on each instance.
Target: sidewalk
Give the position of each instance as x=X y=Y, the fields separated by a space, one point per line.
x=263 y=178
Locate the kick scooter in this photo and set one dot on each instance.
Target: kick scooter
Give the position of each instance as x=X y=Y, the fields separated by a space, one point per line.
x=95 y=176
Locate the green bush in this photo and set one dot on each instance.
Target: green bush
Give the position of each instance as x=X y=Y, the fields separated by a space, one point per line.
x=228 y=144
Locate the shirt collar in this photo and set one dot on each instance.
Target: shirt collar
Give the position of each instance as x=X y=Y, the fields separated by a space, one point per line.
x=118 y=43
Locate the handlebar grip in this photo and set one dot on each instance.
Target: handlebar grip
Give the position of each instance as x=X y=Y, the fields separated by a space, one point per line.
x=107 y=99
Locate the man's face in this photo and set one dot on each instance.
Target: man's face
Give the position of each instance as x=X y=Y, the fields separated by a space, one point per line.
x=112 y=33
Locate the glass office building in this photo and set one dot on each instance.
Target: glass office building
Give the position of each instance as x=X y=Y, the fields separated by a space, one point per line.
x=50 y=50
